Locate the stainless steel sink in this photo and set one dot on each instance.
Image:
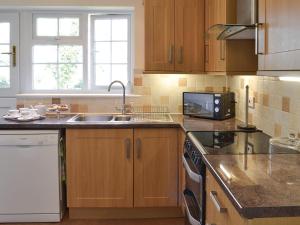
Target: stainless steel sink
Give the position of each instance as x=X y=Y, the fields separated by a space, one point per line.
x=91 y=118
x=133 y=118
x=122 y=118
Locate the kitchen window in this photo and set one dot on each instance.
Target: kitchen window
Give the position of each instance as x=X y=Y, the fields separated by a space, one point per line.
x=74 y=52
x=111 y=48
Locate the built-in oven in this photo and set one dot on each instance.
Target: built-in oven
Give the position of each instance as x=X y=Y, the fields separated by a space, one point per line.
x=194 y=192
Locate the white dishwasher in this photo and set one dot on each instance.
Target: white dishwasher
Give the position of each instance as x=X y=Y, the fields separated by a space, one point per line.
x=31 y=186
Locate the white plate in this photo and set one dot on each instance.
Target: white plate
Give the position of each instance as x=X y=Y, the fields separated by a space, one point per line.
x=28 y=118
x=11 y=117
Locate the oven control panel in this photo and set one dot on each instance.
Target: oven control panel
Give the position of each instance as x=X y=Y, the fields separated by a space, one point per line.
x=193 y=153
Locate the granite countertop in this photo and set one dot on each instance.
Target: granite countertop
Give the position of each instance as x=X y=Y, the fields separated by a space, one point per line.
x=259 y=185
x=186 y=123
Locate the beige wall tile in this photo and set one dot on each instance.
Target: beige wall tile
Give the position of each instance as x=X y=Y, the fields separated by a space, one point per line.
x=138 y=81
x=164 y=100
x=286 y=104
x=277 y=130
x=209 y=89
x=266 y=100
x=56 y=101
x=182 y=82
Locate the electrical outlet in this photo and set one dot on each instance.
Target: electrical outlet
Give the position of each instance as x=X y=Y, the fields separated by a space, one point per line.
x=251 y=102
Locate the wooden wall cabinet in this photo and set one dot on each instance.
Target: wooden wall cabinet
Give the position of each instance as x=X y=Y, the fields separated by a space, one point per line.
x=279 y=32
x=227 y=56
x=101 y=172
x=174 y=36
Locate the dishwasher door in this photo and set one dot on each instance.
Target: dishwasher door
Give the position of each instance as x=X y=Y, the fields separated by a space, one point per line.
x=29 y=174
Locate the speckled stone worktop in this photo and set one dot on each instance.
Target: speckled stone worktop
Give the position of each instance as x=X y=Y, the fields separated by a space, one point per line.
x=186 y=123
x=259 y=185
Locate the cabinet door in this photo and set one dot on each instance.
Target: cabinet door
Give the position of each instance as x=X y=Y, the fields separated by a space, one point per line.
x=219 y=209
x=283 y=31
x=100 y=167
x=215 y=49
x=220 y=45
x=159 y=35
x=155 y=168
x=261 y=39
x=189 y=35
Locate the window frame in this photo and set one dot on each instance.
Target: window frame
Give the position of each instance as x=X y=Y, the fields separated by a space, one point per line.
x=28 y=39
x=36 y=15
x=93 y=48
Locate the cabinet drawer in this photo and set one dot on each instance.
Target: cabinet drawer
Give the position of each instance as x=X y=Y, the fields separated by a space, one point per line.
x=219 y=208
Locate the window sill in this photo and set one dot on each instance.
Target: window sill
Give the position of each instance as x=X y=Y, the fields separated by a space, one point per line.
x=64 y=95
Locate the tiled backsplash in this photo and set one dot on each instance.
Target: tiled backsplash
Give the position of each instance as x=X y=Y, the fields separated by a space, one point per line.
x=276 y=112
x=277 y=107
x=154 y=89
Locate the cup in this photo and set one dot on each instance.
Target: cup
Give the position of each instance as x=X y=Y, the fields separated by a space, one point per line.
x=34 y=112
x=41 y=109
x=13 y=112
x=25 y=113
x=23 y=109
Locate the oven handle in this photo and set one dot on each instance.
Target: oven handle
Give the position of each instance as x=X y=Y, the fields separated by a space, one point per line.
x=194 y=176
x=191 y=219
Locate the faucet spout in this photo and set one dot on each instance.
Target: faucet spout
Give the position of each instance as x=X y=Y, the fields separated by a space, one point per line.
x=124 y=92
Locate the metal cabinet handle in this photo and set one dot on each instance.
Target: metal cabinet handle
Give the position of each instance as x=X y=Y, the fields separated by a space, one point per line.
x=139 y=148
x=180 y=58
x=171 y=54
x=207 y=53
x=13 y=53
x=194 y=176
x=222 y=50
x=214 y=198
x=257 y=26
x=127 y=148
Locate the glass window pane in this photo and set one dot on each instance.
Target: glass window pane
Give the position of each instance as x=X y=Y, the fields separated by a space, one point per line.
x=103 y=73
x=70 y=76
x=4 y=59
x=4 y=77
x=70 y=54
x=45 y=77
x=69 y=27
x=119 y=72
x=119 y=52
x=45 y=54
x=5 y=33
x=120 y=30
x=102 y=30
x=46 y=27
x=103 y=52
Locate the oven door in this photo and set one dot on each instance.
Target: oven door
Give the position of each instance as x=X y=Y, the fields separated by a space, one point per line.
x=193 y=195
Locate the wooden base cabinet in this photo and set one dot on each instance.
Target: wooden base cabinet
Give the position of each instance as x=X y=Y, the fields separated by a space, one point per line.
x=155 y=168
x=100 y=167
x=122 y=168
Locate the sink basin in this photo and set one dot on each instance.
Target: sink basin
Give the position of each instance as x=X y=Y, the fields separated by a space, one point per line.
x=122 y=118
x=91 y=118
x=134 y=118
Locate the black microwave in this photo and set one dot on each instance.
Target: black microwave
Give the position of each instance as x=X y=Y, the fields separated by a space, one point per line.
x=216 y=106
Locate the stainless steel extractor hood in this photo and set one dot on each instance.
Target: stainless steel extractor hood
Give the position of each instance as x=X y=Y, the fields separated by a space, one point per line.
x=245 y=23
